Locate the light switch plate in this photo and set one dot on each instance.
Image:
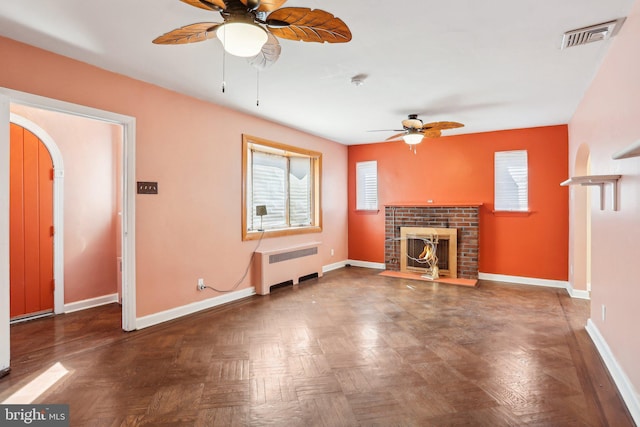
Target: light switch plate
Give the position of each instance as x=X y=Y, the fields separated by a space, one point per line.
x=147 y=187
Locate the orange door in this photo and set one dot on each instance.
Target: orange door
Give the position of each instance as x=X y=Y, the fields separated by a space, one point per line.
x=31 y=221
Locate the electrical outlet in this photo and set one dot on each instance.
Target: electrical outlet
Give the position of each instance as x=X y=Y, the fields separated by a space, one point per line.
x=604 y=312
x=201 y=285
x=332 y=252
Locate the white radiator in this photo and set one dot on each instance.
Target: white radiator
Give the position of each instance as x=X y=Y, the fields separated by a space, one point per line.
x=276 y=266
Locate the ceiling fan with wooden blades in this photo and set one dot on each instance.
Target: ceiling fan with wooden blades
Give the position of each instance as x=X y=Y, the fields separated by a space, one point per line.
x=250 y=27
x=414 y=131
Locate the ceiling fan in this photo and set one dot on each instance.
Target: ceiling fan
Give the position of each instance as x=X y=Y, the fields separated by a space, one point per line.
x=414 y=131
x=250 y=27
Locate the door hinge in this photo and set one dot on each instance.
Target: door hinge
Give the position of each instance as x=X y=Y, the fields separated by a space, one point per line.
x=52 y=230
x=53 y=174
x=53 y=285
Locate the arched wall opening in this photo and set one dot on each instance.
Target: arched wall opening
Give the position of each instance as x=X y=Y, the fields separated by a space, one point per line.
x=580 y=228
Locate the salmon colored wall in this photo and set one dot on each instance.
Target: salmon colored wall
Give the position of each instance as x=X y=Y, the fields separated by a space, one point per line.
x=460 y=169
x=90 y=209
x=607 y=121
x=192 y=228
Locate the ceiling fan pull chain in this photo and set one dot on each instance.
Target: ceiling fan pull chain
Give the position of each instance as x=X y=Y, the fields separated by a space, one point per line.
x=224 y=65
x=257 y=87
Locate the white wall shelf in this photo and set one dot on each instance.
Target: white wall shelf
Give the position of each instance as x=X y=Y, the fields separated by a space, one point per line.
x=632 y=150
x=600 y=181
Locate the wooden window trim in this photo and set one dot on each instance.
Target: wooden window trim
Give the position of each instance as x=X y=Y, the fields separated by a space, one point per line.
x=316 y=227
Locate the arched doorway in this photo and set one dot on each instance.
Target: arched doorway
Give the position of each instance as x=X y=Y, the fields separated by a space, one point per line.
x=580 y=210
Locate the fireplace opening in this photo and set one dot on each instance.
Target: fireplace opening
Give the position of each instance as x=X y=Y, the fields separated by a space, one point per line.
x=417 y=245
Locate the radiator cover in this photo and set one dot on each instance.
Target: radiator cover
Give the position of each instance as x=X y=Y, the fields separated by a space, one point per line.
x=274 y=266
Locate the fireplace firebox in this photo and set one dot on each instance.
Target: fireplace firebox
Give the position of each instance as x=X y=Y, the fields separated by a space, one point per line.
x=415 y=241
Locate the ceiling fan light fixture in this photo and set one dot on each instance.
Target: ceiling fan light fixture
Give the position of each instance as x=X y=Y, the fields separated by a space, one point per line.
x=242 y=38
x=413 y=138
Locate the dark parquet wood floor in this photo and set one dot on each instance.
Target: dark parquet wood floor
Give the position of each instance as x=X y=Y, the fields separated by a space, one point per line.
x=349 y=349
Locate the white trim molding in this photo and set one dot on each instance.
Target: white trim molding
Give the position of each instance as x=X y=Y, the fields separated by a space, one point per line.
x=573 y=293
x=185 y=310
x=366 y=264
x=5 y=310
x=533 y=281
x=90 y=303
x=620 y=378
x=578 y=293
x=524 y=280
x=334 y=266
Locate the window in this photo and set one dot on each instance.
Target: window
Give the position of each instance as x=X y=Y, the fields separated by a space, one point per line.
x=367 y=186
x=511 y=181
x=286 y=181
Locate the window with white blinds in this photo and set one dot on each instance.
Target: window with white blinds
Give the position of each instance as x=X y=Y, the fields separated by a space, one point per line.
x=367 y=186
x=286 y=181
x=511 y=181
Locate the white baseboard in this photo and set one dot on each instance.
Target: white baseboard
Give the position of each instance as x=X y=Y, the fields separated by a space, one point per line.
x=573 y=293
x=174 y=313
x=578 y=293
x=334 y=266
x=625 y=387
x=367 y=264
x=524 y=280
x=90 y=303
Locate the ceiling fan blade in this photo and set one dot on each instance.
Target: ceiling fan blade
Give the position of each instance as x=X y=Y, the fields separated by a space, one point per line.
x=268 y=5
x=274 y=23
x=189 y=34
x=442 y=125
x=395 y=136
x=206 y=4
x=432 y=133
x=310 y=25
x=268 y=55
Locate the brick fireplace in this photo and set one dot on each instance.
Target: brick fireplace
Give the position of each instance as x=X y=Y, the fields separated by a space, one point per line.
x=463 y=217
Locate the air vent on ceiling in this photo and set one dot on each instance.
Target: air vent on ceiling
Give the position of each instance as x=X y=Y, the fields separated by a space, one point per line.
x=590 y=34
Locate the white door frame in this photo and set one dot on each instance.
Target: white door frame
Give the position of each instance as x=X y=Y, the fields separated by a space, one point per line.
x=128 y=123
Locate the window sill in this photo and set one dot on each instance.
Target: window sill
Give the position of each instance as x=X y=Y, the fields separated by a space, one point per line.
x=257 y=234
x=512 y=213
x=367 y=211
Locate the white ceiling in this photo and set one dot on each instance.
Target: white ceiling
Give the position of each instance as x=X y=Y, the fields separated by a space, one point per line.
x=490 y=64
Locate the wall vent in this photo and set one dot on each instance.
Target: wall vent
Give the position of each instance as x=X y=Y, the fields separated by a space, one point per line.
x=594 y=33
x=284 y=256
